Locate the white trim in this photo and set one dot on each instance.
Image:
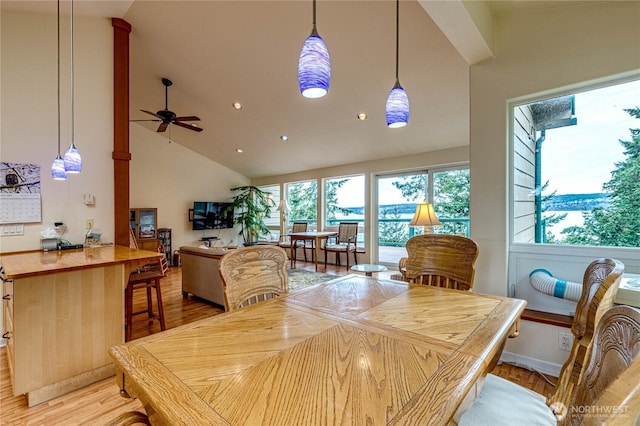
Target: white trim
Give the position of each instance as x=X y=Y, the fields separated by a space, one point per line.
x=532 y=364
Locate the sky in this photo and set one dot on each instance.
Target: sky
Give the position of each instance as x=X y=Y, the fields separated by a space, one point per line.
x=579 y=159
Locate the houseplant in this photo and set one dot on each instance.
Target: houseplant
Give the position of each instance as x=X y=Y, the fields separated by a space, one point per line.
x=251 y=206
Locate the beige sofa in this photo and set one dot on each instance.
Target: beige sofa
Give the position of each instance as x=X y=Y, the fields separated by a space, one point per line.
x=200 y=275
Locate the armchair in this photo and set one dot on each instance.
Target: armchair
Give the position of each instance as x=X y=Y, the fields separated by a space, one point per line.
x=344 y=242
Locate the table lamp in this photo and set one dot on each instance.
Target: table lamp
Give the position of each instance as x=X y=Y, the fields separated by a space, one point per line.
x=425 y=216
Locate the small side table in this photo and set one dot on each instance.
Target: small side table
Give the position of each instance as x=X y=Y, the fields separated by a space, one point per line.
x=368 y=268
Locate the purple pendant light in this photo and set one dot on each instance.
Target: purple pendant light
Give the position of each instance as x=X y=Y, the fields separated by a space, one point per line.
x=72 y=159
x=57 y=168
x=314 y=66
x=397 y=107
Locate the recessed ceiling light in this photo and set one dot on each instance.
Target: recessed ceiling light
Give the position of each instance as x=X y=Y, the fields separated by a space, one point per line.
x=362 y=116
x=284 y=138
x=239 y=150
x=237 y=105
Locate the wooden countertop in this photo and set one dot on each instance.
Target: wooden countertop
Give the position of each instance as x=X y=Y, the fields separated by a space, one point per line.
x=26 y=264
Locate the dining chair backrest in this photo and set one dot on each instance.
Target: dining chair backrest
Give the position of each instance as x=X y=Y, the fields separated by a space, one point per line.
x=347 y=233
x=441 y=260
x=133 y=242
x=599 y=288
x=253 y=274
x=611 y=380
x=299 y=227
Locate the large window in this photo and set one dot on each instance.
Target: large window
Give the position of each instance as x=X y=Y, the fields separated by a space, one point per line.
x=344 y=200
x=576 y=168
x=303 y=201
x=398 y=197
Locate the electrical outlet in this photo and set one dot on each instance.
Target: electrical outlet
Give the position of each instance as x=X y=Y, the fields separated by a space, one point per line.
x=89 y=224
x=564 y=341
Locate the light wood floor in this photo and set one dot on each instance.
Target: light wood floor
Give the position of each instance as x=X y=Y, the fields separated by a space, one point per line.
x=100 y=402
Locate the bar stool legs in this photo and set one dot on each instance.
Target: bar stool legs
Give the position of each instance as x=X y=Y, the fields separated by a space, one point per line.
x=136 y=283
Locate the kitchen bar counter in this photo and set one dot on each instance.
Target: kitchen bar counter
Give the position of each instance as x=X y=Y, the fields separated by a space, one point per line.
x=32 y=263
x=63 y=310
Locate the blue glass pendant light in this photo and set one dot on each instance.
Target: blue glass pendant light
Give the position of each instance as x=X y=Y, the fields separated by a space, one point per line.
x=57 y=168
x=314 y=66
x=397 y=108
x=72 y=159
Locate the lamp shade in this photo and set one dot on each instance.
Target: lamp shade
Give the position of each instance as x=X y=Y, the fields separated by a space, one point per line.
x=397 y=108
x=72 y=160
x=425 y=216
x=314 y=67
x=57 y=169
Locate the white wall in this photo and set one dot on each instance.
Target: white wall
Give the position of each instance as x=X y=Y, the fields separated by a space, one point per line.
x=29 y=118
x=535 y=53
x=170 y=177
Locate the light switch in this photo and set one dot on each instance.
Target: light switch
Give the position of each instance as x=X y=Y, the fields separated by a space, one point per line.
x=88 y=199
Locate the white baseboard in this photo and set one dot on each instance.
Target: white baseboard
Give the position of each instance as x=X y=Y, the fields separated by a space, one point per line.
x=531 y=363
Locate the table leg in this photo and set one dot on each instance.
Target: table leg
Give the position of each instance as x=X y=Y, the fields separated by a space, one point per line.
x=294 y=242
x=369 y=274
x=318 y=251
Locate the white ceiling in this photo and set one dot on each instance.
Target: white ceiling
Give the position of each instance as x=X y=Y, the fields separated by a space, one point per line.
x=220 y=52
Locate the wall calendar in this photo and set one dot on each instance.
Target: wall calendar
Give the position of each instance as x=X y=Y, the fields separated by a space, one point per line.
x=20 y=200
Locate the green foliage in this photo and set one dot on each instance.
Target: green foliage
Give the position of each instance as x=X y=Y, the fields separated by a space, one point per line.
x=618 y=225
x=450 y=197
x=393 y=232
x=252 y=206
x=303 y=201
x=332 y=198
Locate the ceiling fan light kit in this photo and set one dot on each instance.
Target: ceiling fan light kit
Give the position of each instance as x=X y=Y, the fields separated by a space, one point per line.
x=397 y=107
x=314 y=66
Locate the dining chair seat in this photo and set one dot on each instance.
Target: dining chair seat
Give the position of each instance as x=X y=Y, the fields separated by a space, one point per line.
x=504 y=403
x=614 y=355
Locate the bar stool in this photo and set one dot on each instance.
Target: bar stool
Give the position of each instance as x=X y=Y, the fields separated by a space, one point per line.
x=147 y=278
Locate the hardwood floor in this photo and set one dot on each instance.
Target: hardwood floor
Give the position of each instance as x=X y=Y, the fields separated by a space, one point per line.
x=100 y=402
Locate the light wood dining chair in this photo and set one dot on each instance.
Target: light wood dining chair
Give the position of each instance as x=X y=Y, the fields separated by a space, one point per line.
x=440 y=260
x=345 y=242
x=608 y=379
x=253 y=274
x=600 y=286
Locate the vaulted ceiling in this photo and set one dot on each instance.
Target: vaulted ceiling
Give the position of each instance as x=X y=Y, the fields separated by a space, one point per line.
x=221 y=52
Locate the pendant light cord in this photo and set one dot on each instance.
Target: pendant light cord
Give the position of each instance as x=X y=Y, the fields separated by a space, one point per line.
x=314 y=13
x=73 y=127
x=58 y=77
x=397 y=36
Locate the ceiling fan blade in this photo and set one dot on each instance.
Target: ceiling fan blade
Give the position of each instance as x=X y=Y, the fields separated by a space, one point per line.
x=188 y=126
x=162 y=127
x=151 y=113
x=145 y=120
x=187 y=118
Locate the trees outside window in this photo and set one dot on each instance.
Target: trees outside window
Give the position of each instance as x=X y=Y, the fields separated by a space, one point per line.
x=303 y=201
x=576 y=170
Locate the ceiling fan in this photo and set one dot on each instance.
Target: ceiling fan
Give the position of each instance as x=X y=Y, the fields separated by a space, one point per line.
x=167 y=117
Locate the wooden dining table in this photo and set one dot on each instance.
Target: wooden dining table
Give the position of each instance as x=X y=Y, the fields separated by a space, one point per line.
x=352 y=351
x=315 y=236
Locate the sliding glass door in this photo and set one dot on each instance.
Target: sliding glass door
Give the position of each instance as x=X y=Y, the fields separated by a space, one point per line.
x=397 y=196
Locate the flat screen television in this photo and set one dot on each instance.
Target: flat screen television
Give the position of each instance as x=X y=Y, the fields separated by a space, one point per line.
x=212 y=215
